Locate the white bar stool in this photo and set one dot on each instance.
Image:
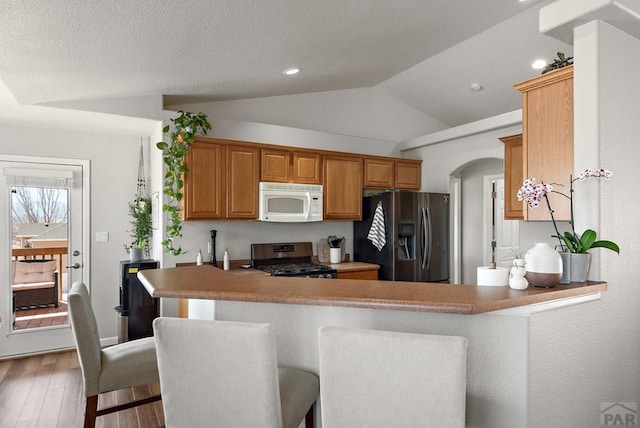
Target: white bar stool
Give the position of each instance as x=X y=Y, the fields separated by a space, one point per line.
x=386 y=379
x=225 y=374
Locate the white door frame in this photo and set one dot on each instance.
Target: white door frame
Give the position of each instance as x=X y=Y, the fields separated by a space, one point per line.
x=31 y=341
x=455 y=230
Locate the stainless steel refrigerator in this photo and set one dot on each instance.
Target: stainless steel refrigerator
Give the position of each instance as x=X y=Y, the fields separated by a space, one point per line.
x=416 y=234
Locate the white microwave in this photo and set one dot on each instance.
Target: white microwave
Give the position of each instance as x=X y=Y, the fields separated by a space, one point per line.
x=290 y=203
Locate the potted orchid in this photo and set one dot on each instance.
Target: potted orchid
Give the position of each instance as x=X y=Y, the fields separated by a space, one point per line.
x=533 y=193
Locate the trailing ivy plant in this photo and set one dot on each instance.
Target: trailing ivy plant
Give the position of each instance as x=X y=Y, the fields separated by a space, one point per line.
x=560 y=62
x=185 y=128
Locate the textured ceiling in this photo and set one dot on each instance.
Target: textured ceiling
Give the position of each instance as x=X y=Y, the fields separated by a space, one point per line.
x=423 y=52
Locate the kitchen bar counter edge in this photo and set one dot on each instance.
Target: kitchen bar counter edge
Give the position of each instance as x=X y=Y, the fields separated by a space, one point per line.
x=207 y=282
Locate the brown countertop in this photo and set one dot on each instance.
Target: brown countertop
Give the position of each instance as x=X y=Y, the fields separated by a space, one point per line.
x=207 y=282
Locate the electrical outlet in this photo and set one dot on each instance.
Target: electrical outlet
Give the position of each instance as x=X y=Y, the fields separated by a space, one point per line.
x=102 y=236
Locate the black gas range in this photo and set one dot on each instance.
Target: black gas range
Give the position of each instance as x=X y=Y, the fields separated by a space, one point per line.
x=289 y=259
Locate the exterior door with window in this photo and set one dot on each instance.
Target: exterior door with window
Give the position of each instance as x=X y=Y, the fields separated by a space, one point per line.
x=43 y=251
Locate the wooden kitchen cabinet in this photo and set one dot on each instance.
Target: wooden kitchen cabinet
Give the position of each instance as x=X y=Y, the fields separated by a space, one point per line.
x=513 y=177
x=204 y=191
x=389 y=173
x=408 y=174
x=243 y=175
x=221 y=181
x=547 y=137
x=360 y=274
x=289 y=166
x=342 y=187
x=379 y=173
x=307 y=167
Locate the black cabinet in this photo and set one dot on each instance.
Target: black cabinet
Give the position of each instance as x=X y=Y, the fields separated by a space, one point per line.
x=137 y=308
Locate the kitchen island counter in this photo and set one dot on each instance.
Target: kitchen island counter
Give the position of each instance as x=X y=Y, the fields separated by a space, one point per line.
x=207 y=282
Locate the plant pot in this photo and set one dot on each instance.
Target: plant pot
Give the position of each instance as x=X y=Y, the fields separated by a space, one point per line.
x=136 y=254
x=543 y=265
x=566 y=267
x=579 y=269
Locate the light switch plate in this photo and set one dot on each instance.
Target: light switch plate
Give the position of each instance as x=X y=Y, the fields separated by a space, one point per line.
x=102 y=236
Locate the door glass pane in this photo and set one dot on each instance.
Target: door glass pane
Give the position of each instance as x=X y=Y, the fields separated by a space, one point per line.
x=39 y=247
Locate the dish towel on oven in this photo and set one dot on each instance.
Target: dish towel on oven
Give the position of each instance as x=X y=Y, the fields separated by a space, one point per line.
x=377 y=232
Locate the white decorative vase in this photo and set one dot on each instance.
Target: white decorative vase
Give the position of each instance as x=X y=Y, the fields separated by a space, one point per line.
x=543 y=265
x=517 y=281
x=579 y=267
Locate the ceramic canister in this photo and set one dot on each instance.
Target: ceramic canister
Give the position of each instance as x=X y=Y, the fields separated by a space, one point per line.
x=544 y=265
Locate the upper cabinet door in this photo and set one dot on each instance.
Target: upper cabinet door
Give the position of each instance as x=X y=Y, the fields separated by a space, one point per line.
x=379 y=173
x=204 y=182
x=243 y=175
x=547 y=137
x=392 y=173
x=513 y=177
x=290 y=166
x=408 y=175
x=306 y=167
x=342 y=187
x=275 y=165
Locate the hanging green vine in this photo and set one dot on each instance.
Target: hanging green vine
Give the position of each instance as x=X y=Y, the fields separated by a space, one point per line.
x=141 y=233
x=186 y=127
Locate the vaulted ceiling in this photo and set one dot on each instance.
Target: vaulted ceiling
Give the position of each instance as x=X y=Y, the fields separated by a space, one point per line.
x=425 y=53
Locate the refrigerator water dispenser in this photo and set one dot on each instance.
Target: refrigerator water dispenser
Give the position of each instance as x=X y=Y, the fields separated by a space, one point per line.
x=406 y=241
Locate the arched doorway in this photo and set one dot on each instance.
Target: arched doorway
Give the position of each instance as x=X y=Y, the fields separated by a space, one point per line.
x=470 y=187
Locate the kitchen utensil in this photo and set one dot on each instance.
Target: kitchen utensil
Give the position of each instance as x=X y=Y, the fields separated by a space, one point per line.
x=334 y=241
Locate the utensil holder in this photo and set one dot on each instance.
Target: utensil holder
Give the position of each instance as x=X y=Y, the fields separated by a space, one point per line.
x=335 y=255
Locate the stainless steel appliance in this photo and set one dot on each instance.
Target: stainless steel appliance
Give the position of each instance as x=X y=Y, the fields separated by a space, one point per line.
x=290 y=202
x=416 y=231
x=289 y=259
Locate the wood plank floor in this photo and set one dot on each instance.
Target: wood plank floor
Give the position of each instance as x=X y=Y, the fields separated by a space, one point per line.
x=46 y=391
x=42 y=317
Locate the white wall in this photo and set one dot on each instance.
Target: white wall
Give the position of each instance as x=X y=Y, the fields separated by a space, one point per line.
x=114 y=173
x=286 y=136
x=149 y=107
x=586 y=355
x=366 y=112
x=441 y=160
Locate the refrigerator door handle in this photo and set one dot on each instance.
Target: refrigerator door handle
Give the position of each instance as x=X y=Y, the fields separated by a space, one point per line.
x=426 y=232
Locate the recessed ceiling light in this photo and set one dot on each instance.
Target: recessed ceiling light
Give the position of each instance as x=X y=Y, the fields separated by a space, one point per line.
x=538 y=64
x=476 y=87
x=291 y=71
